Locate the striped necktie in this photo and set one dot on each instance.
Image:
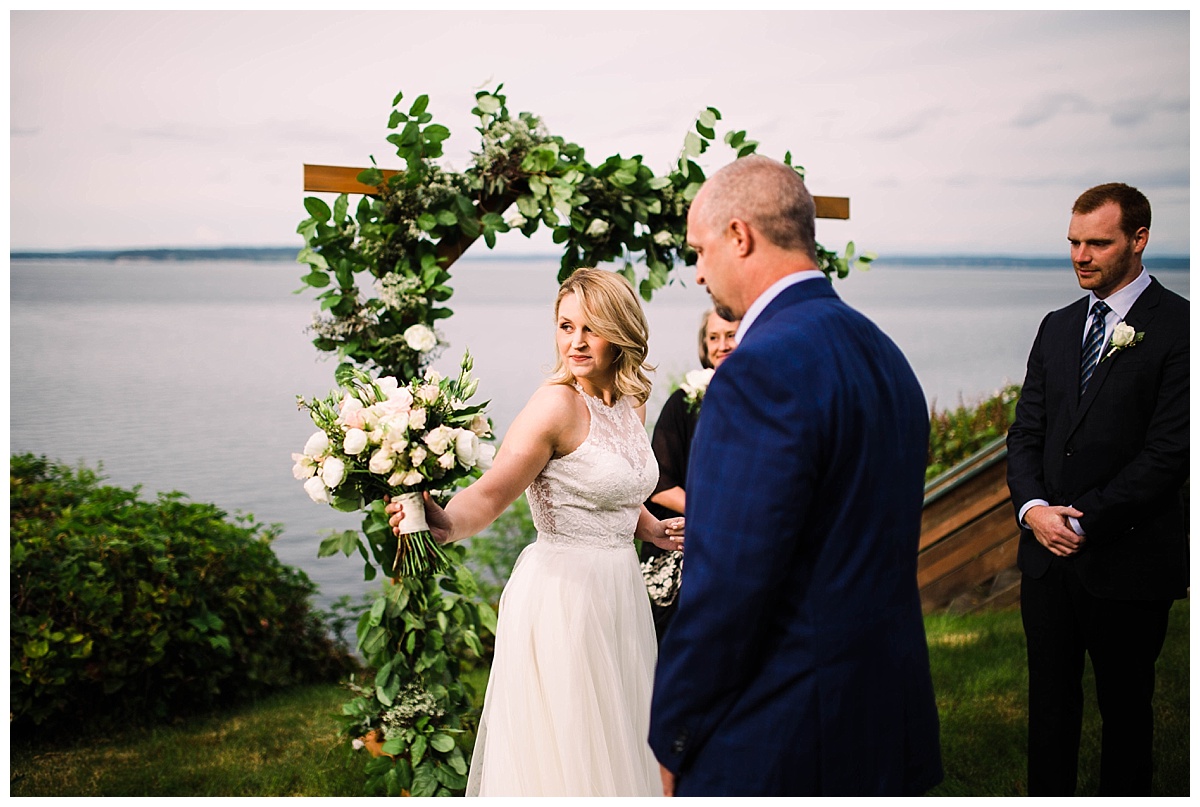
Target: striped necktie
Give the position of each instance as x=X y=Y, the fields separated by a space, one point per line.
x=1093 y=345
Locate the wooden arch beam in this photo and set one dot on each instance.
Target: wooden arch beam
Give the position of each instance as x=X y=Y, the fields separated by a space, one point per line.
x=343 y=179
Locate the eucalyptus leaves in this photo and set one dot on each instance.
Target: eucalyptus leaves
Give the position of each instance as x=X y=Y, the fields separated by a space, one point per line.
x=383 y=268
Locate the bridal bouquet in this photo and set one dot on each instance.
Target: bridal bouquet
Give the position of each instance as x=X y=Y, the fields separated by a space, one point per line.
x=375 y=437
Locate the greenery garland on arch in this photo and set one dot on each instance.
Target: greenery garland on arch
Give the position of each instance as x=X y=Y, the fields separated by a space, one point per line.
x=383 y=271
x=382 y=274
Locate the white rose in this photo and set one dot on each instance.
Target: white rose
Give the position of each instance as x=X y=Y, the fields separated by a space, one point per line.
x=317 y=445
x=597 y=228
x=416 y=419
x=446 y=461
x=333 y=471
x=381 y=462
x=697 y=381
x=350 y=411
x=388 y=385
x=663 y=238
x=487 y=452
x=305 y=466
x=413 y=478
x=355 y=442
x=1122 y=335
x=394 y=424
x=480 y=426
x=316 y=490
x=466 y=447
x=420 y=338
x=439 y=439
x=429 y=393
x=417 y=455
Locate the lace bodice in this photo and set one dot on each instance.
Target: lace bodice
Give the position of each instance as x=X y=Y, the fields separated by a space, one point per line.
x=592 y=497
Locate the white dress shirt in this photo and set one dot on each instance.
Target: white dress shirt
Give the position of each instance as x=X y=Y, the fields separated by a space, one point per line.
x=764 y=299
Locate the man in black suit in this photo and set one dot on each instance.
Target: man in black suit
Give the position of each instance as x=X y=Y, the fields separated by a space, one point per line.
x=1097 y=457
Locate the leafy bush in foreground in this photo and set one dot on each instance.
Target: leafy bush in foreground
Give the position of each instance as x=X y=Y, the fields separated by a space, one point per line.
x=121 y=607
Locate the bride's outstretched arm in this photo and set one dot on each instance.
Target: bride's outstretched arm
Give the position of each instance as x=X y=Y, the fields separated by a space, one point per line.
x=533 y=438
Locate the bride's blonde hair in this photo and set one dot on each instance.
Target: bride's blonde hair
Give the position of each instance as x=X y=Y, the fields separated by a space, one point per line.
x=614 y=313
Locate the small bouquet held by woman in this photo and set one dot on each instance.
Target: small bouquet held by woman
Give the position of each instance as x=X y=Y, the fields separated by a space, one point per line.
x=377 y=438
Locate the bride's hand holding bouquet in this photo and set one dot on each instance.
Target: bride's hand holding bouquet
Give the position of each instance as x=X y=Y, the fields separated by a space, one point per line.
x=379 y=440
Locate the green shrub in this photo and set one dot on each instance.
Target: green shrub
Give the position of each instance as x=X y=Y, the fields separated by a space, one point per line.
x=143 y=610
x=954 y=435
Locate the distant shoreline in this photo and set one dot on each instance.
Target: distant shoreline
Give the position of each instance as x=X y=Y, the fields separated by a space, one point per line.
x=1162 y=263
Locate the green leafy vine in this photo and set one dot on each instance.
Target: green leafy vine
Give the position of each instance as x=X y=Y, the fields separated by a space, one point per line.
x=384 y=269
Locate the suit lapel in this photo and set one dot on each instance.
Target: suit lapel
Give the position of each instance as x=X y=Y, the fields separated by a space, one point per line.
x=1140 y=316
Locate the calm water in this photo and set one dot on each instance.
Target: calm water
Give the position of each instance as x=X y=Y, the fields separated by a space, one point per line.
x=184 y=376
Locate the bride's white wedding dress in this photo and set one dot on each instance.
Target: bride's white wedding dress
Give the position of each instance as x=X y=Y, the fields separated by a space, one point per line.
x=567 y=708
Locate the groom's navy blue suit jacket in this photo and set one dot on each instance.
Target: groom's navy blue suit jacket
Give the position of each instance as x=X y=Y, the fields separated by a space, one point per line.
x=797 y=661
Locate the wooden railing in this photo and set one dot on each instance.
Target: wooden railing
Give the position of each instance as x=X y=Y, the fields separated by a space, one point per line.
x=968 y=551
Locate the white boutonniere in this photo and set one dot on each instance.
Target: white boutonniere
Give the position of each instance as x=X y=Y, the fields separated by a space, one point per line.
x=694 y=385
x=1123 y=336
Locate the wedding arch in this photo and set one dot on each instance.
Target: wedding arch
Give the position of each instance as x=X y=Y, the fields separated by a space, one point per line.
x=410 y=225
x=381 y=272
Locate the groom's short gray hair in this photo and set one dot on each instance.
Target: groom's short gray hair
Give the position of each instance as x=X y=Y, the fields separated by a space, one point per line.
x=768 y=195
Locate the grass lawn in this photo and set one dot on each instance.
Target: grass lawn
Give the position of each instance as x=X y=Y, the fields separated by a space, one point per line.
x=288 y=745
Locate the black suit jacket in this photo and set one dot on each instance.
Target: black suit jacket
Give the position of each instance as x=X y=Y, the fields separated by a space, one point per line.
x=1120 y=454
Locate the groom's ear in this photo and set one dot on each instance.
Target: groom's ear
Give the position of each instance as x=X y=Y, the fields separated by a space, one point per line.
x=742 y=237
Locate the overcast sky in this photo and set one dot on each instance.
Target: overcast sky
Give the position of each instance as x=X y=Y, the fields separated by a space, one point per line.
x=951 y=132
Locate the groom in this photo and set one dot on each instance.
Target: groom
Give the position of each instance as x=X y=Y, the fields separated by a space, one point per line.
x=797 y=662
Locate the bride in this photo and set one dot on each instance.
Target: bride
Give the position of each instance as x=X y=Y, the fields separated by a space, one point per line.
x=567 y=706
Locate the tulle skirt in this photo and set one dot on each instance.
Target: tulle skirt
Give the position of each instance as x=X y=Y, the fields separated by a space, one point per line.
x=567 y=708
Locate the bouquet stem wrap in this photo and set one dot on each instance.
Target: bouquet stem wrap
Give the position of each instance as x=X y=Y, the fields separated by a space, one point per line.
x=417 y=553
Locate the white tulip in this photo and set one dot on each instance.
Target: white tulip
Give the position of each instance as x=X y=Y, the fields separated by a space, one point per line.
x=487 y=453
x=355 y=442
x=317 y=445
x=305 y=466
x=333 y=471
x=466 y=447
x=316 y=490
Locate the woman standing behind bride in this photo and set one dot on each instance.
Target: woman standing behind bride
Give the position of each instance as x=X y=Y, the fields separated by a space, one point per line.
x=567 y=708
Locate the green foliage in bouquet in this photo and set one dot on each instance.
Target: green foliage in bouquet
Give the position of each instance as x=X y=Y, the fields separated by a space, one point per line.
x=420 y=636
x=956 y=434
x=133 y=610
x=381 y=269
